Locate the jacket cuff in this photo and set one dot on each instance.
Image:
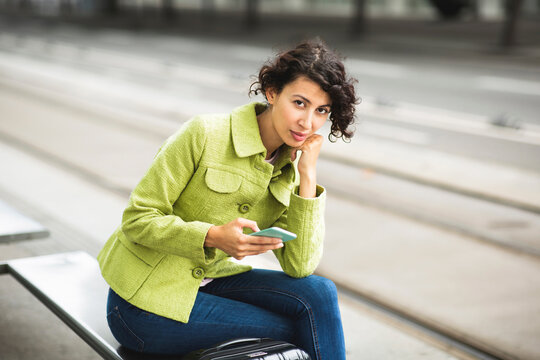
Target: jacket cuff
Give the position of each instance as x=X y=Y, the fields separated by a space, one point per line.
x=196 y=233
x=306 y=214
x=305 y=217
x=308 y=205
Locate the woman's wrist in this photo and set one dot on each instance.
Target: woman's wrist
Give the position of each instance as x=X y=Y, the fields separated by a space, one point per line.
x=209 y=240
x=308 y=185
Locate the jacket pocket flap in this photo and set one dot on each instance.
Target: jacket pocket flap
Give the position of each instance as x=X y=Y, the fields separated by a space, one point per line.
x=149 y=256
x=125 y=271
x=222 y=181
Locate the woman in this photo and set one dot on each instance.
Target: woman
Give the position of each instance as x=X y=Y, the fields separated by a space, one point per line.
x=173 y=288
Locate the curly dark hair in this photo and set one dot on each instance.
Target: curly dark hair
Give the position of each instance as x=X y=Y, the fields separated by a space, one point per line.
x=315 y=61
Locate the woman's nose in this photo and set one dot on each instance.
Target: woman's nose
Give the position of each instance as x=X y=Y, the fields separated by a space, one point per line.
x=306 y=120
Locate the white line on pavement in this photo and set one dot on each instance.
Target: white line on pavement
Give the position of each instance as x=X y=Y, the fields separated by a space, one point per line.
x=375 y=68
x=500 y=84
x=449 y=120
x=395 y=133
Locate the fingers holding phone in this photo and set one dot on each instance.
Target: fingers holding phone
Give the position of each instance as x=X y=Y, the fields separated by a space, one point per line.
x=230 y=239
x=261 y=244
x=276 y=232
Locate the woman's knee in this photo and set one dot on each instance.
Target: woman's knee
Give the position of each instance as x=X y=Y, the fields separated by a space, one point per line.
x=319 y=288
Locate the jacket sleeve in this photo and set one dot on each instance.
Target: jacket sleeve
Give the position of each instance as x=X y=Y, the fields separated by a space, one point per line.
x=148 y=219
x=304 y=217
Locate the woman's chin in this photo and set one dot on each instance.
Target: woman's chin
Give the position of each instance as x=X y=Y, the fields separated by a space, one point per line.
x=294 y=143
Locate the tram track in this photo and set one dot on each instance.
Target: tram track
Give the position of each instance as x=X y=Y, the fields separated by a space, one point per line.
x=447 y=339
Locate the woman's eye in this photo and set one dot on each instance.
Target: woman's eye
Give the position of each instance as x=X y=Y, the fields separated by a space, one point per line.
x=322 y=111
x=299 y=102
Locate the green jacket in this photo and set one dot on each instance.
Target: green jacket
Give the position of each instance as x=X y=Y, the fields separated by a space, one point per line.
x=208 y=173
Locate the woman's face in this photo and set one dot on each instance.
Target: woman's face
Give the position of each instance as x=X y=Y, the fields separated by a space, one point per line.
x=299 y=110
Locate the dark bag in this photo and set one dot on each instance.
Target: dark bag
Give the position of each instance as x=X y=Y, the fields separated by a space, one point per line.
x=250 y=349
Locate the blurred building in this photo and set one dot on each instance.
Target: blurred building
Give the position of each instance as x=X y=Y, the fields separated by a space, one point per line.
x=414 y=9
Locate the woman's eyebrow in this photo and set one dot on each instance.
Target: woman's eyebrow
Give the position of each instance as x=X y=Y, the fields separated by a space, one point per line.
x=307 y=100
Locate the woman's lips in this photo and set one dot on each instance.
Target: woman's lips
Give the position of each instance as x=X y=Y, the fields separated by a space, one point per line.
x=298 y=136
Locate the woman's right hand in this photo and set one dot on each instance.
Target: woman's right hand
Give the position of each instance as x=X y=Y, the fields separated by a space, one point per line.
x=231 y=239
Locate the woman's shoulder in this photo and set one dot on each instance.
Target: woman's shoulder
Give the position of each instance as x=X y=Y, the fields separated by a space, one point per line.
x=200 y=127
x=207 y=124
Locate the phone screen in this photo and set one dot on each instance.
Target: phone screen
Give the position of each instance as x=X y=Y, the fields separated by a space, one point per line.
x=277 y=232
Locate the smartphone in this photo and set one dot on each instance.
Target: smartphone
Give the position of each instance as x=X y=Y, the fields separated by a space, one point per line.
x=276 y=232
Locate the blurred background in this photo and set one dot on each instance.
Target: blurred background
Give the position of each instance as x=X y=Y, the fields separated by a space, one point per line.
x=433 y=210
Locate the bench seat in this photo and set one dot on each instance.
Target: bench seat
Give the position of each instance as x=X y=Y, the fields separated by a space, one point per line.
x=71 y=286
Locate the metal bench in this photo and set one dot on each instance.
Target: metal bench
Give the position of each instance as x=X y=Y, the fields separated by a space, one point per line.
x=71 y=286
x=14 y=226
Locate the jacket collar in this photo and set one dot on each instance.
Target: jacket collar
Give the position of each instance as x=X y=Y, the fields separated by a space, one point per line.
x=247 y=138
x=245 y=130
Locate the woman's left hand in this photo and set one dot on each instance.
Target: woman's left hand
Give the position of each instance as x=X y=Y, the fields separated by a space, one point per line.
x=307 y=165
x=310 y=153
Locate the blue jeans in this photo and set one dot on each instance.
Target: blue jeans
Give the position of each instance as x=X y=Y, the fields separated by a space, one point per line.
x=258 y=303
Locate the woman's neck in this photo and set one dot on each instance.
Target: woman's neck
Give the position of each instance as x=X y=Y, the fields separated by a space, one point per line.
x=269 y=136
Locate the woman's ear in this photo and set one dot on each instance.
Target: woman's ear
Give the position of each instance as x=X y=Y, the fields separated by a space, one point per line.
x=270 y=96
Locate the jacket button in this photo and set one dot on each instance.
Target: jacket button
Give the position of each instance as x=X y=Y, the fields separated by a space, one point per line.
x=198 y=273
x=244 y=208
